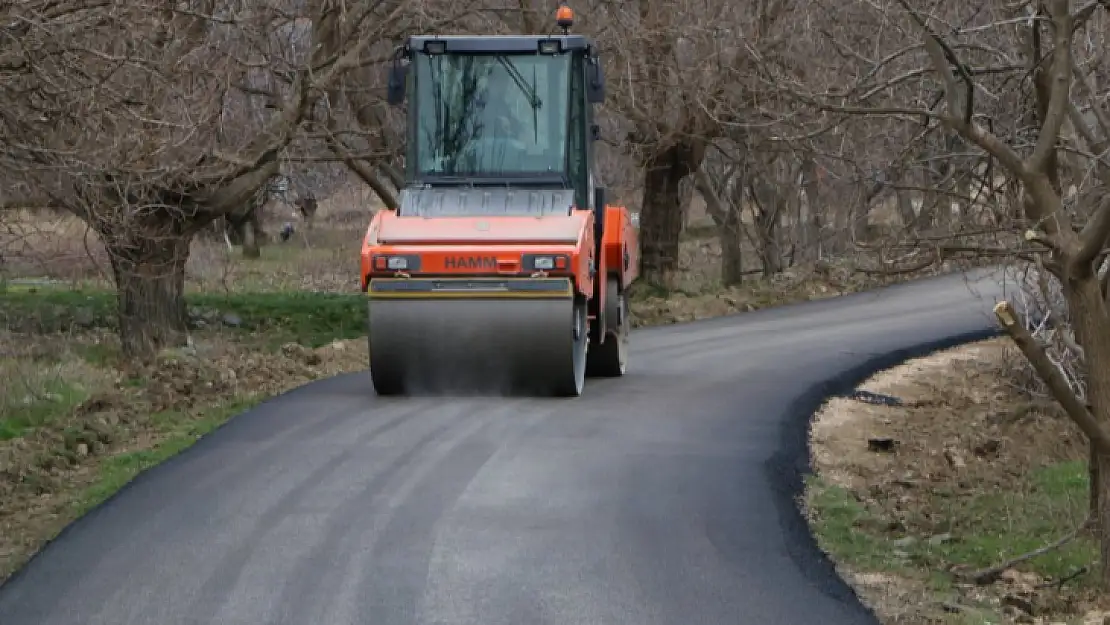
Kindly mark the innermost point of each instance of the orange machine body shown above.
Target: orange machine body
(502, 246)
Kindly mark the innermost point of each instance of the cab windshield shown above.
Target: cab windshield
(494, 116)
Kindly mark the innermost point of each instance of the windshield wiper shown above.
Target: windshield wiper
(514, 73)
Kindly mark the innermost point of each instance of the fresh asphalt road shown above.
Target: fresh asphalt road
(663, 498)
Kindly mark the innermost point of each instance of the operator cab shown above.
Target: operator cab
(501, 113)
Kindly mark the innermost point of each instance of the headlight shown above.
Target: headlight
(545, 262)
(407, 262)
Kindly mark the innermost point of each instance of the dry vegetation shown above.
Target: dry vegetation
(922, 504)
(773, 151)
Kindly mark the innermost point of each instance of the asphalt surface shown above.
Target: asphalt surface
(663, 498)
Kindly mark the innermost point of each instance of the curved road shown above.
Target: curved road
(663, 498)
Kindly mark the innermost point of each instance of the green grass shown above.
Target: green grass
(978, 531)
(840, 527)
(21, 413)
(39, 393)
(312, 319)
(270, 319)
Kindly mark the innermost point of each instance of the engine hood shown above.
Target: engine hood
(482, 216)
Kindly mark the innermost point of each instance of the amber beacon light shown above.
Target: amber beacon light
(564, 17)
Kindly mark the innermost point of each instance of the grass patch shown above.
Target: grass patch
(312, 319)
(978, 531)
(41, 389)
(839, 526)
(35, 407)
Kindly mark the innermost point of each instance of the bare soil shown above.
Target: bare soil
(966, 473)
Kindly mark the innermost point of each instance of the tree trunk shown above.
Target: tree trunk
(811, 226)
(686, 200)
(770, 243)
(731, 234)
(1095, 484)
(661, 216)
(251, 248)
(1102, 521)
(842, 214)
(727, 219)
(769, 205)
(150, 290)
(731, 229)
(905, 209)
(234, 230)
(860, 226)
(1088, 310)
(247, 230)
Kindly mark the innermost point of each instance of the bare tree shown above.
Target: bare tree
(119, 113)
(358, 125)
(954, 71)
(678, 78)
(721, 182)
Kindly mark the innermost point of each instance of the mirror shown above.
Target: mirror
(595, 82)
(398, 74)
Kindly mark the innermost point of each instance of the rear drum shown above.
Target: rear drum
(610, 359)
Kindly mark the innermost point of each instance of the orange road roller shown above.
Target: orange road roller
(503, 271)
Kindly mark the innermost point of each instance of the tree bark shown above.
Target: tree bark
(810, 222)
(251, 248)
(730, 227)
(661, 215)
(150, 290)
(731, 234)
(1102, 521)
(1094, 484)
(770, 243)
(247, 230)
(1088, 310)
(905, 210)
(685, 201)
(770, 204)
(859, 216)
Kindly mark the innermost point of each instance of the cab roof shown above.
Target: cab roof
(496, 43)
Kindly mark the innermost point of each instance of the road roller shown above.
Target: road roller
(503, 270)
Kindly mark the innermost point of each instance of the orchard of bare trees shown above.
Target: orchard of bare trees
(1002, 108)
(897, 135)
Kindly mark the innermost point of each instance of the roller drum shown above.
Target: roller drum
(437, 343)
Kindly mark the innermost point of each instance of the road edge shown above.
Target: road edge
(145, 475)
(793, 463)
